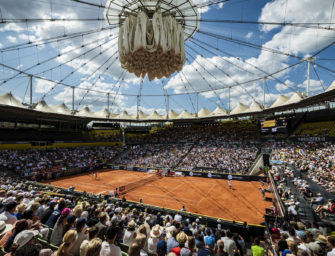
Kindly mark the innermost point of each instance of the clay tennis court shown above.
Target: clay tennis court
(211, 197)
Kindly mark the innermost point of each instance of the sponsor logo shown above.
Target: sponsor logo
(209, 175)
(190, 173)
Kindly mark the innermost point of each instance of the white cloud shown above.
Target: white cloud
(249, 35)
(11, 39)
(282, 87)
(42, 86)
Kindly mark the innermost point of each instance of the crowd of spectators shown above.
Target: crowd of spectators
(155, 155)
(223, 148)
(32, 162)
(316, 159)
(34, 217)
(296, 235)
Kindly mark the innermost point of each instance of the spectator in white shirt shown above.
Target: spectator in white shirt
(331, 244)
(108, 247)
(7, 216)
(129, 234)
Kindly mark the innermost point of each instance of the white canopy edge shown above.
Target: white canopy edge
(42, 106)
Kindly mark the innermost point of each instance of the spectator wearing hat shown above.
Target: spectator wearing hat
(9, 237)
(108, 248)
(322, 241)
(68, 241)
(129, 234)
(4, 228)
(155, 237)
(8, 215)
(182, 239)
(20, 210)
(57, 233)
(101, 225)
(331, 245)
(81, 236)
(92, 233)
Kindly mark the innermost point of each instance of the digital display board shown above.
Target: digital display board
(274, 126)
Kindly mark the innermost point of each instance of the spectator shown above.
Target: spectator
(141, 241)
(108, 248)
(220, 249)
(68, 241)
(94, 247)
(8, 215)
(129, 234)
(92, 233)
(81, 236)
(331, 244)
(155, 237)
(229, 243)
(256, 249)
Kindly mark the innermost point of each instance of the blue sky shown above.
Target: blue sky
(205, 70)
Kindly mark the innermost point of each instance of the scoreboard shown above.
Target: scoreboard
(274, 126)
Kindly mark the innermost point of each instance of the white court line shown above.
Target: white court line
(102, 192)
(160, 197)
(204, 196)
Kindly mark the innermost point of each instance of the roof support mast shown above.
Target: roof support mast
(308, 74)
(167, 106)
(108, 104)
(72, 100)
(197, 104)
(31, 91)
(264, 86)
(229, 99)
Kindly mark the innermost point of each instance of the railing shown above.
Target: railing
(251, 169)
(277, 199)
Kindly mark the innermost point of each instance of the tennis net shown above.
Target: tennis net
(136, 184)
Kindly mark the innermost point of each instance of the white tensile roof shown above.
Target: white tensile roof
(10, 100)
(124, 115)
(331, 87)
(219, 112)
(185, 115)
(86, 112)
(254, 107)
(62, 109)
(142, 115)
(282, 99)
(173, 114)
(155, 116)
(43, 107)
(240, 108)
(102, 113)
(204, 112)
(296, 97)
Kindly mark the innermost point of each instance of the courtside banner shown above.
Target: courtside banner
(197, 173)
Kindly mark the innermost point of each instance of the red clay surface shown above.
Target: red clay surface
(211, 197)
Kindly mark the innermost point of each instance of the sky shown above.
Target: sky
(220, 55)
